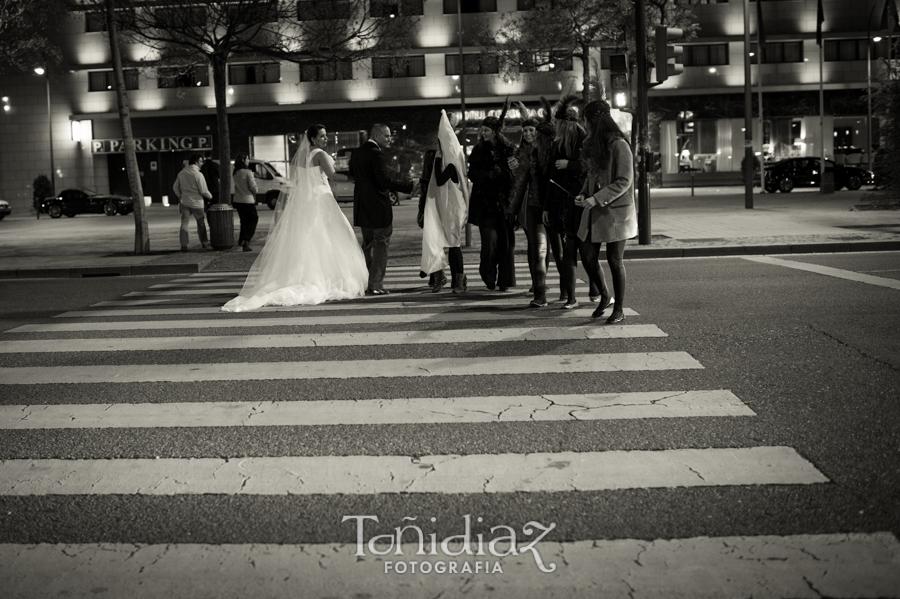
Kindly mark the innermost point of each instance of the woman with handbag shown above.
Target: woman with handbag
(608, 200)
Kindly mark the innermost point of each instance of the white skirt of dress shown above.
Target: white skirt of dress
(311, 256)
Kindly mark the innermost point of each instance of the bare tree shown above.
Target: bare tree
(27, 30)
(204, 32)
(141, 228)
(556, 31)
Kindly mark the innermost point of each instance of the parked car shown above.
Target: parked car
(76, 201)
(343, 191)
(787, 174)
(4, 208)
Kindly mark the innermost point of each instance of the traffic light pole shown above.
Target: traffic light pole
(643, 184)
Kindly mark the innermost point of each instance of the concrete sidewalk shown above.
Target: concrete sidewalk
(712, 222)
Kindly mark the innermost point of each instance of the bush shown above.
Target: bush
(42, 188)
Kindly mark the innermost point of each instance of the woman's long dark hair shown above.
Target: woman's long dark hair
(543, 144)
(568, 133)
(241, 160)
(602, 130)
(312, 132)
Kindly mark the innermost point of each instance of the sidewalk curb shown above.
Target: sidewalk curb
(632, 253)
(76, 272)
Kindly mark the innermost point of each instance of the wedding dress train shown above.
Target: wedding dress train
(312, 254)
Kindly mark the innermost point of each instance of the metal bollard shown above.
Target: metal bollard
(221, 226)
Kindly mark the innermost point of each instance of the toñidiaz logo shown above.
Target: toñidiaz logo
(461, 551)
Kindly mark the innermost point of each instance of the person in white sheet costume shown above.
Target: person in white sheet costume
(311, 254)
(446, 209)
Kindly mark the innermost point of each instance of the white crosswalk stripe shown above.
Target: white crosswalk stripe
(426, 367)
(511, 408)
(583, 312)
(335, 339)
(468, 301)
(696, 568)
(702, 566)
(365, 475)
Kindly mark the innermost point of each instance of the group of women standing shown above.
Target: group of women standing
(570, 185)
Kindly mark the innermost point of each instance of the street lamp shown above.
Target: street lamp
(42, 72)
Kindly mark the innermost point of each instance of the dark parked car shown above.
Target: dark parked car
(75, 201)
(4, 208)
(787, 174)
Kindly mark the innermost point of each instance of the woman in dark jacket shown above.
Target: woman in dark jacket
(528, 195)
(491, 182)
(561, 215)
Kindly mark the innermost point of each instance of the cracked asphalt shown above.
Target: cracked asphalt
(816, 358)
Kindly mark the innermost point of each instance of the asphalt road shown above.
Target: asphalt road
(815, 356)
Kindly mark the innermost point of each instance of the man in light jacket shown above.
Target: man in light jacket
(190, 188)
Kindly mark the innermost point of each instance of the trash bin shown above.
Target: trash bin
(221, 226)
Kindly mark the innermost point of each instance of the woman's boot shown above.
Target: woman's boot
(459, 282)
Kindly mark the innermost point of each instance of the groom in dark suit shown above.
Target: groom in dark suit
(372, 210)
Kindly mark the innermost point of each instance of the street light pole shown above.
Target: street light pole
(462, 74)
(645, 236)
(748, 114)
(46, 75)
(869, 84)
(462, 98)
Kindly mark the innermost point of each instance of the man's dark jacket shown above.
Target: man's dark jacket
(210, 172)
(372, 180)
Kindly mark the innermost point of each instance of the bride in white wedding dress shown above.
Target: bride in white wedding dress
(312, 254)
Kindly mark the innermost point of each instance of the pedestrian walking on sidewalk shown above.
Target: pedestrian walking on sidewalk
(190, 189)
(244, 201)
(608, 200)
(210, 172)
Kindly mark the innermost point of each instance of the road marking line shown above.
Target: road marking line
(397, 287)
(824, 565)
(449, 302)
(348, 369)
(828, 271)
(389, 278)
(331, 339)
(242, 321)
(365, 475)
(460, 410)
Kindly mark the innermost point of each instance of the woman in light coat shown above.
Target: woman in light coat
(608, 198)
(245, 191)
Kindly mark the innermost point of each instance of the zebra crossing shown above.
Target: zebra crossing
(119, 349)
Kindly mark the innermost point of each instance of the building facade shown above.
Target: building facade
(698, 117)
(270, 104)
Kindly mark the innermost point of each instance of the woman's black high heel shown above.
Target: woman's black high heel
(603, 306)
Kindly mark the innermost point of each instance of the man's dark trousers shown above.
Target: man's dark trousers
(375, 248)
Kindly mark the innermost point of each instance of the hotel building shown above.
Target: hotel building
(270, 103)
